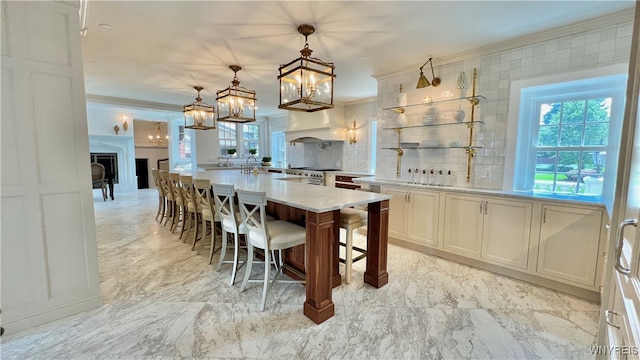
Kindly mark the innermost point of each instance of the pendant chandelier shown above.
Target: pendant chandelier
(198, 115)
(158, 140)
(306, 83)
(235, 103)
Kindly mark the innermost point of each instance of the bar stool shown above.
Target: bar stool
(168, 192)
(350, 220)
(205, 205)
(161, 196)
(178, 201)
(189, 212)
(270, 236)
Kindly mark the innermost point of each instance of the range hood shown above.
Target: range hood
(320, 126)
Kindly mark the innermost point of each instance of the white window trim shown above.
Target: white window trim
(519, 96)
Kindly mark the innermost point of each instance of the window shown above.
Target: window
(279, 148)
(251, 138)
(227, 135)
(241, 137)
(571, 145)
(565, 133)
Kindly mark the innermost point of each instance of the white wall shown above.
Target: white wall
(588, 45)
(49, 255)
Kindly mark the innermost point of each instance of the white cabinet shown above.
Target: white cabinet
(506, 232)
(463, 217)
(413, 215)
(569, 243)
(493, 229)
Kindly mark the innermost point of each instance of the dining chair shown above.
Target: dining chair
(277, 235)
(202, 191)
(161, 196)
(350, 220)
(97, 178)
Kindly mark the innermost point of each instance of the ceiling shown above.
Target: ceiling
(157, 51)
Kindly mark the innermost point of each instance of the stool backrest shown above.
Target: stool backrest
(97, 172)
(202, 191)
(186, 189)
(174, 183)
(254, 217)
(166, 186)
(223, 195)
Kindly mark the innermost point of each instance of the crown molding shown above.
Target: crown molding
(622, 16)
(131, 103)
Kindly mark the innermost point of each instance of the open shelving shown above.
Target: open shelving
(470, 148)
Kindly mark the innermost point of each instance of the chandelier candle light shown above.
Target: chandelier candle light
(158, 140)
(199, 115)
(306, 83)
(235, 103)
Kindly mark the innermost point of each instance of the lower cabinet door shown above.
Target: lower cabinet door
(397, 212)
(506, 232)
(463, 217)
(422, 217)
(569, 241)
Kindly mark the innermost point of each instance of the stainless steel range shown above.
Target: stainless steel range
(312, 176)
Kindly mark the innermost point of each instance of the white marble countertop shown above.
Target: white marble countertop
(307, 197)
(575, 199)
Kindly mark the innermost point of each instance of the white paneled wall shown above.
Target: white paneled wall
(357, 157)
(597, 46)
(48, 241)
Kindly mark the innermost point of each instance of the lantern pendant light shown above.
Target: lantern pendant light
(235, 103)
(306, 83)
(199, 115)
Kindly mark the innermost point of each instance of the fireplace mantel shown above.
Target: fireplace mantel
(123, 146)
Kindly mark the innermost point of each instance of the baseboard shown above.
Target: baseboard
(60, 312)
(551, 284)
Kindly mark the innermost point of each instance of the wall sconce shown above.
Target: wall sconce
(125, 124)
(422, 81)
(352, 134)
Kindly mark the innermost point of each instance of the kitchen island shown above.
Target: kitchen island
(317, 208)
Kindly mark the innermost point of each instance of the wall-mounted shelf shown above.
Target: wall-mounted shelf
(468, 123)
(432, 147)
(472, 99)
(470, 149)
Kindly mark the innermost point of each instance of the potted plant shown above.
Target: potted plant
(253, 151)
(231, 151)
(266, 161)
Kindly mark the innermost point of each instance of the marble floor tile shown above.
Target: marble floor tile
(164, 301)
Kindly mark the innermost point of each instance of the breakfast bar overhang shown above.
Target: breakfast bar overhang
(318, 209)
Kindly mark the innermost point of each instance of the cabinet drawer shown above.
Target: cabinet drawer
(347, 186)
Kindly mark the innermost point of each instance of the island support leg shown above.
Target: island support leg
(377, 241)
(319, 266)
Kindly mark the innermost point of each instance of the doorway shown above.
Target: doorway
(142, 173)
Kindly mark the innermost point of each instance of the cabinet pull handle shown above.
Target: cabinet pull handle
(544, 216)
(406, 195)
(486, 205)
(620, 243)
(608, 320)
(409, 196)
(481, 205)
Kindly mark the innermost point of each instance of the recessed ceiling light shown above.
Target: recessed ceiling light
(106, 26)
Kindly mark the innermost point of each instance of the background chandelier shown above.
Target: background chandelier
(306, 83)
(158, 140)
(199, 115)
(422, 81)
(235, 103)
